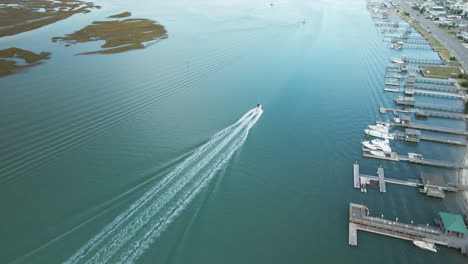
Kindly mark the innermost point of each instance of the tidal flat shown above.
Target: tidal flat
(17, 16)
(119, 35)
(9, 57)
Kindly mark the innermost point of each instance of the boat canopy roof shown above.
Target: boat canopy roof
(453, 222)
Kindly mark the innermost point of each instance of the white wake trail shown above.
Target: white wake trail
(127, 232)
(129, 222)
(140, 246)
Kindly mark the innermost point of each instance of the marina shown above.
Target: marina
(445, 98)
(406, 123)
(412, 135)
(440, 94)
(423, 113)
(430, 184)
(444, 235)
(410, 101)
(412, 158)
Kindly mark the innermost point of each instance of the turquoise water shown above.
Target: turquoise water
(85, 137)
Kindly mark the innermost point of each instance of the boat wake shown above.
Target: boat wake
(127, 237)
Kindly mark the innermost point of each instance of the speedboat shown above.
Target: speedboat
(379, 127)
(399, 61)
(425, 245)
(378, 134)
(258, 107)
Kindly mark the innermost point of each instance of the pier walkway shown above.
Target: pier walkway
(412, 158)
(426, 113)
(432, 185)
(441, 94)
(440, 129)
(359, 219)
(409, 101)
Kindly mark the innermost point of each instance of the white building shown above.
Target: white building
(463, 33)
(460, 5)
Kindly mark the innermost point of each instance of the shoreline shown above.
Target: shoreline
(444, 54)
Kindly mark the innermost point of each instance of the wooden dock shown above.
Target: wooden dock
(412, 158)
(392, 83)
(405, 37)
(412, 46)
(384, 110)
(409, 101)
(439, 129)
(449, 81)
(441, 94)
(404, 136)
(424, 61)
(392, 90)
(431, 184)
(425, 113)
(359, 219)
(438, 87)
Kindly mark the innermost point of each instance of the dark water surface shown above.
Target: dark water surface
(83, 138)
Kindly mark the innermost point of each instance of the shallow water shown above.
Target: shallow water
(84, 137)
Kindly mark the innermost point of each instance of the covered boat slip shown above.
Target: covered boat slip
(430, 184)
(359, 219)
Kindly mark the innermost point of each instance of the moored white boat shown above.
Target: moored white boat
(378, 153)
(399, 61)
(378, 134)
(425, 245)
(380, 128)
(371, 146)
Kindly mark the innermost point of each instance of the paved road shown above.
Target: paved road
(449, 41)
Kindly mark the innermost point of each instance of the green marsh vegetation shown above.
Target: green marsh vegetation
(119, 35)
(8, 57)
(18, 16)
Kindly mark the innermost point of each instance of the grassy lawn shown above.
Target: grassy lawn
(439, 72)
(444, 53)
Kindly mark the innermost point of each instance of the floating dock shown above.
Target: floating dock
(440, 94)
(405, 37)
(412, 158)
(409, 101)
(429, 184)
(359, 219)
(392, 83)
(423, 61)
(439, 129)
(412, 135)
(393, 90)
(426, 113)
(396, 76)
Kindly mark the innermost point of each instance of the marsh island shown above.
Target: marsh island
(119, 35)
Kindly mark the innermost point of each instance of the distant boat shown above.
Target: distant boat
(395, 46)
(378, 134)
(399, 61)
(425, 245)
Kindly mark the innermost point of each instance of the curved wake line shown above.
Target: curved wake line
(137, 227)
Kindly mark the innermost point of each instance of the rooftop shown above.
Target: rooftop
(453, 222)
